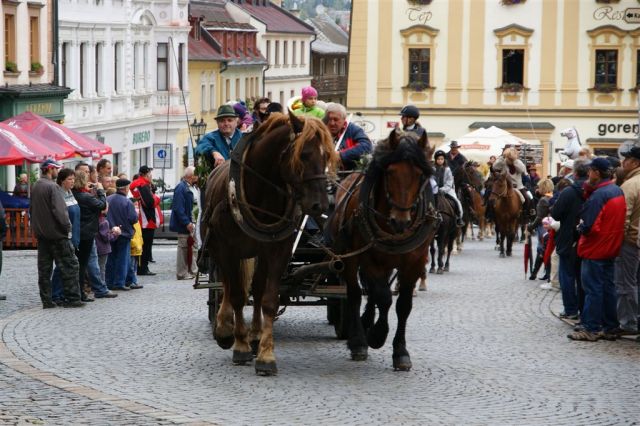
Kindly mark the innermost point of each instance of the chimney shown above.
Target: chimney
(274, 2)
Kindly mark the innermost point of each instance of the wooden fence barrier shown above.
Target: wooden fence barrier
(19, 235)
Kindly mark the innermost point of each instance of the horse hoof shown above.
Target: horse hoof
(446, 269)
(432, 270)
(359, 354)
(241, 358)
(439, 271)
(266, 368)
(423, 287)
(502, 255)
(377, 336)
(225, 342)
(508, 254)
(402, 363)
(255, 346)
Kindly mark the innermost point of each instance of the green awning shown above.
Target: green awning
(46, 100)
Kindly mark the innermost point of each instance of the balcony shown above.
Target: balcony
(330, 85)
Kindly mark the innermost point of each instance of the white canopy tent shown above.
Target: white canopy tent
(482, 143)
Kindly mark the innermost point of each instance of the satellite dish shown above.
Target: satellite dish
(626, 147)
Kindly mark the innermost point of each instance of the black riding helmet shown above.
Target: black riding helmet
(410, 111)
(439, 153)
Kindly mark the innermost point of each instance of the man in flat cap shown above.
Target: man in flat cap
(216, 146)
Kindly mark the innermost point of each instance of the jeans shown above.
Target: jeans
(118, 263)
(627, 277)
(566, 274)
(63, 254)
(96, 280)
(132, 278)
(600, 295)
(102, 264)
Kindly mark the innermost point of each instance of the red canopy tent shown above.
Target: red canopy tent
(17, 146)
(59, 135)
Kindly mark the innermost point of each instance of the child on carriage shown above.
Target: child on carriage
(307, 106)
(444, 179)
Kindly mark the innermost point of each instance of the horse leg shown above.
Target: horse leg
(404, 304)
(423, 281)
(449, 248)
(380, 293)
(241, 349)
(502, 237)
(257, 289)
(223, 331)
(432, 250)
(356, 343)
(481, 227)
(277, 262)
(441, 244)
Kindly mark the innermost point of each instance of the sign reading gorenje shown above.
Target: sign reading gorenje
(632, 15)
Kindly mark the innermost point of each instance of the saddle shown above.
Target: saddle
(445, 204)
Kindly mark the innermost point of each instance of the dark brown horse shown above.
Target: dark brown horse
(445, 235)
(385, 222)
(253, 205)
(507, 208)
(467, 177)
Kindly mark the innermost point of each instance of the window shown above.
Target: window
(302, 57)
(203, 98)
(335, 66)
(322, 65)
(63, 64)
(135, 66)
(285, 45)
(180, 64)
(343, 66)
(138, 158)
(98, 71)
(212, 98)
(282, 97)
(277, 53)
(606, 67)
(34, 38)
(9, 39)
(237, 89)
(247, 88)
(163, 66)
(117, 66)
(293, 53)
(270, 95)
(257, 86)
(83, 48)
(268, 51)
(227, 90)
(116, 163)
(292, 94)
(419, 66)
(513, 66)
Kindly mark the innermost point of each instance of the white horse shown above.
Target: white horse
(573, 146)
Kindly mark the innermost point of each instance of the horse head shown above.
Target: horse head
(471, 175)
(401, 162)
(305, 161)
(500, 186)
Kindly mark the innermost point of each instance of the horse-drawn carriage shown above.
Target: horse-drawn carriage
(383, 221)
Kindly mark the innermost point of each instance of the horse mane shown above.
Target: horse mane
(406, 150)
(312, 127)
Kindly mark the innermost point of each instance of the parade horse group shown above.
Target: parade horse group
(254, 204)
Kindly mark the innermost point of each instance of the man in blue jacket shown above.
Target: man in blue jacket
(182, 222)
(121, 213)
(216, 146)
(352, 142)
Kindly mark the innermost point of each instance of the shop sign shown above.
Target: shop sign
(162, 156)
(141, 137)
(628, 129)
(40, 108)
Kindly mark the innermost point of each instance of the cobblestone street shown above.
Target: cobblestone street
(485, 346)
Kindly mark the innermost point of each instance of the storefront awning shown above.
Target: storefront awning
(513, 125)
(42, 99)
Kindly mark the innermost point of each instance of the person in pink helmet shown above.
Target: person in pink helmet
(309, 104)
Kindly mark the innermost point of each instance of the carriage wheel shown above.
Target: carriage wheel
(341, 324)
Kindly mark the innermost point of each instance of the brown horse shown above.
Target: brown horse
(385, 221)
(253, 205)
(507, 208)
(467, 177)
(477, 209)
(445, 236)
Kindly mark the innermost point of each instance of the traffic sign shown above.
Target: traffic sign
(632, 15)
(162, 158)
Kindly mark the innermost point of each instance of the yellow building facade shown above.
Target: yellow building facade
(531, 67)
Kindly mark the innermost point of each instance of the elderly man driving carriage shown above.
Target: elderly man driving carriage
(351, 141)
(216, 146)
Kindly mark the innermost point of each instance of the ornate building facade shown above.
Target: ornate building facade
(531, 67)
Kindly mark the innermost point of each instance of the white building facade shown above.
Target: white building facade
(127, 63)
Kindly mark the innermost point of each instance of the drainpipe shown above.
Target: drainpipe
(54, 40)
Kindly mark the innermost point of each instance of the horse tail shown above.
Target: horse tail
(247, 268)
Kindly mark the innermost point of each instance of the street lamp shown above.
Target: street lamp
(198, 129)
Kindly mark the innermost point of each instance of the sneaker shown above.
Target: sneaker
(546, 286)
(135, 286)
(569, 317)
(149, 273)
(74, 304)
(108, 295)
(186, 277)
(87, 298)
(119, 289)
(586, 336)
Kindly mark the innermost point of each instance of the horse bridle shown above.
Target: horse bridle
(412, 207)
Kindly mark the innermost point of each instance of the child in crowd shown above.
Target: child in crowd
(309, 105)
(106, 234)
(136, 252)
(543, 240)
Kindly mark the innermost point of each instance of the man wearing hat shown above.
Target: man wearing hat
(51, 226)
(142, 191)
(627, 266)
(454, 159)
(409, 117)
(216, 146)
(122, 214)
(601, 232)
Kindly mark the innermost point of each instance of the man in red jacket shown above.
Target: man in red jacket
(601, 231)
(149, 221)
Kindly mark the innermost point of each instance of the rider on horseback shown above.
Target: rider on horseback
(444, 179)
(515, 169)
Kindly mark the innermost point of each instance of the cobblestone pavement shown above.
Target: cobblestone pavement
(485, 347)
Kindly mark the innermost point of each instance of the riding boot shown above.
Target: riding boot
(536, 267)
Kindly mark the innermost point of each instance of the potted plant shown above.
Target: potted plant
(37, 67)
(418, 86)
(512, 87)
(10, 66)
(605, 87)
